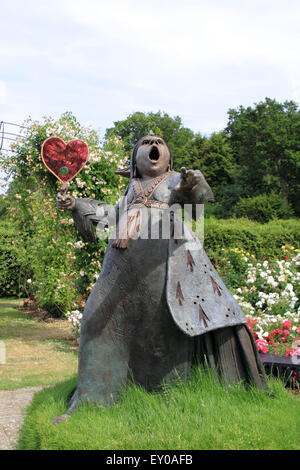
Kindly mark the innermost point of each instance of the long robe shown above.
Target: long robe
(140, 323)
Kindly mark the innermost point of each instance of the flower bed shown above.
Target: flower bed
(268, 291)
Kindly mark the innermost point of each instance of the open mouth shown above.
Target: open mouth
(154, 154)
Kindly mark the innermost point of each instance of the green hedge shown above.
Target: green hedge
(9, 265)
(263, 208)
(259, 239)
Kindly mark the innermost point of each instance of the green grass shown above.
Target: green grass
(37, 353)
(198, 414)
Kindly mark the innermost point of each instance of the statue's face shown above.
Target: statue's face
(153, 156)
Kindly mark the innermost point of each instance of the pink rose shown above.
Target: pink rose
(286, 324)
(262, 345)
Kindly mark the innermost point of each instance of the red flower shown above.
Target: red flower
(286, 332)
(286, 324)
(216, 261)
(286, 257)
(31, 298)
(277, 331)
(224, 266)
(223, 273)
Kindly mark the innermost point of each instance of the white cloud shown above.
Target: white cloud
(192, 33)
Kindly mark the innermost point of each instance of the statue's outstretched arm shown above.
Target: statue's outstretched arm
(87, 213)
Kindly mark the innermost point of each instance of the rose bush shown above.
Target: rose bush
(45, 240)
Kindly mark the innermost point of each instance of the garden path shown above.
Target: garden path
(13, 404)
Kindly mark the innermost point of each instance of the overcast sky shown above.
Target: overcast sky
(105, 59)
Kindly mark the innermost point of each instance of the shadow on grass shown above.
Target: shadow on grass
(14, 324)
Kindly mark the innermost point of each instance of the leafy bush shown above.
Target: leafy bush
(11, 272)
(263, 208)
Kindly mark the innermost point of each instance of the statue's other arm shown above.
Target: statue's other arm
(190, 187)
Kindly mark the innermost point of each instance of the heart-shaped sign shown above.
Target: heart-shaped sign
(64, 161)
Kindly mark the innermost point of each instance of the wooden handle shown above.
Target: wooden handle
(64, 188)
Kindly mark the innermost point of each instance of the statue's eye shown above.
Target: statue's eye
(145, 142)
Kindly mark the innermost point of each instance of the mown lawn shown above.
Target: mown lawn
(199, 414)
(37, 353)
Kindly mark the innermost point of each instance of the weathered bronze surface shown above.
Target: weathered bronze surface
(158, 306)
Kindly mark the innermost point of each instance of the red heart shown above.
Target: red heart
(64, 161)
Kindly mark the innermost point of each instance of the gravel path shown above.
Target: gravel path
(12, 409)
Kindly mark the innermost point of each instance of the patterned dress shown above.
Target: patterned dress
(157, 307)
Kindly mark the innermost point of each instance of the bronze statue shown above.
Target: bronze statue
(158, 306)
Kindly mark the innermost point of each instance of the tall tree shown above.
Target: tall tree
(213, 155)
(138, 124)
(266, 141)
(214, 158)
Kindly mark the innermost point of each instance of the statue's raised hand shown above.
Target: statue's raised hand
(65, 201)
(189, 178)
